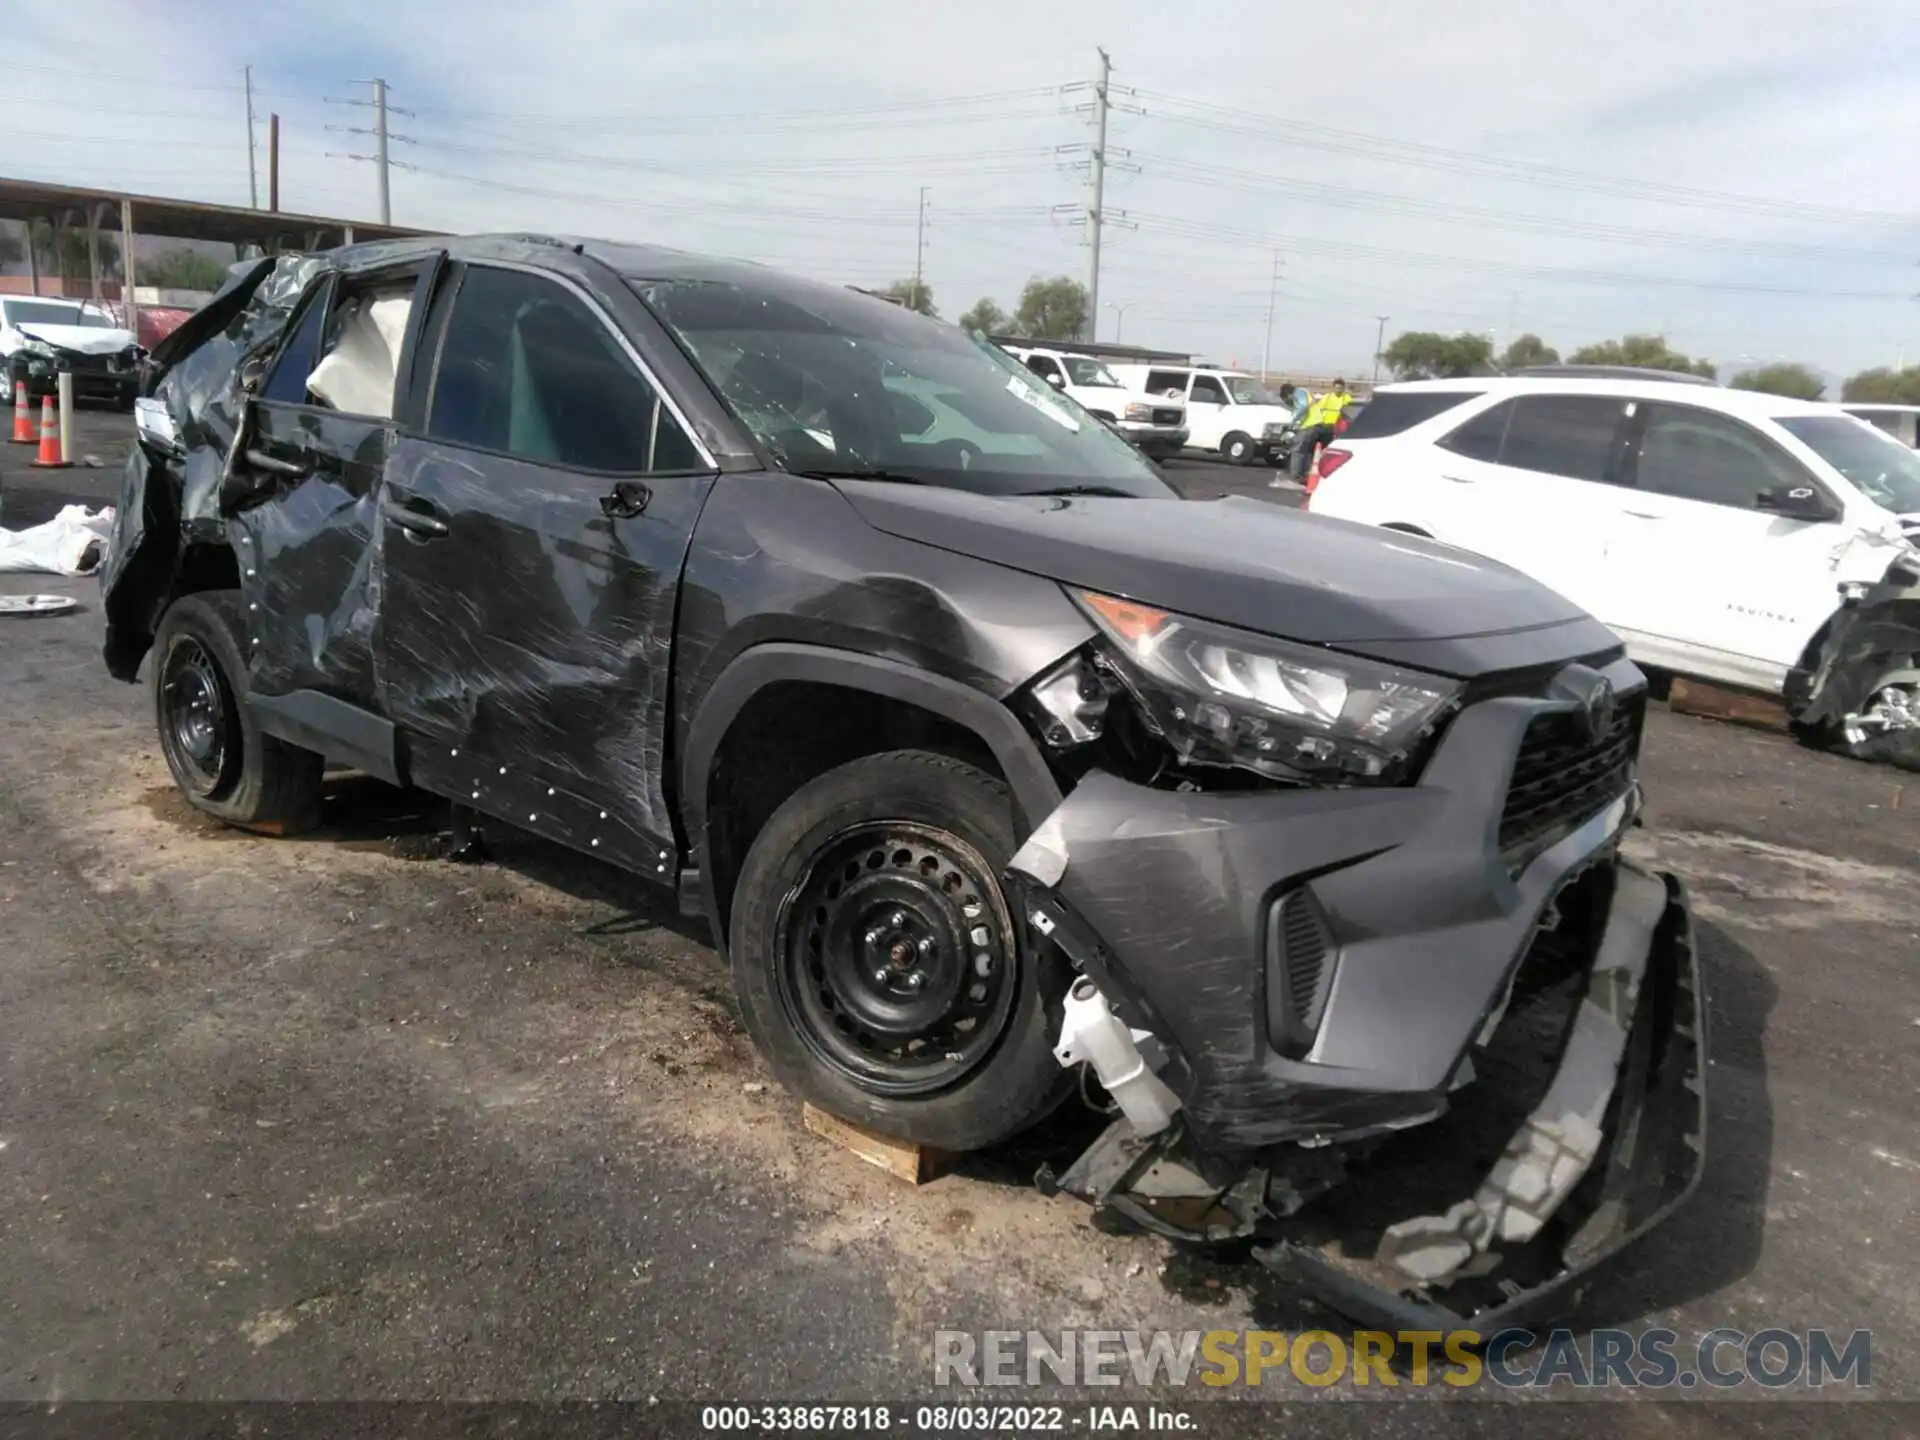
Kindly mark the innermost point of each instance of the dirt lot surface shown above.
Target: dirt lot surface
(337, 1118)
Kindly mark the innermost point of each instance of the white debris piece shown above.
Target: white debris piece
(69, 544)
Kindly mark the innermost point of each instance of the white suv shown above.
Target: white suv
(1720, 532)
(1157, 426)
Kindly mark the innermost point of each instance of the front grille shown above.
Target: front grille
(1301, 950)
(1561, 777)
(83, 364)
(1166, 417)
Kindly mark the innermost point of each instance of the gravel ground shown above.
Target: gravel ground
(333, 1118)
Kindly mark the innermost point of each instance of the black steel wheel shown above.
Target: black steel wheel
(879, 967)
(199, 724)
(221, 763)
(897, 963)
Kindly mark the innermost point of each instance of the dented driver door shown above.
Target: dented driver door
(535, 523)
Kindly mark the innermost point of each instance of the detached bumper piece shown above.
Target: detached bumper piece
(1439, 1227)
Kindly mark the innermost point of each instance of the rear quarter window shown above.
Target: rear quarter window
(1388, 413)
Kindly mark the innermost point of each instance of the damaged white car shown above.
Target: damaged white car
(1746, 539)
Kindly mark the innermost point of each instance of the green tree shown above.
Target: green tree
(914, 294)
(1646, 352)
(1054, 309)
(1424, 355)
(64, 253)
(13, 250)
(1884, 385)
(986, 317)
(1527, 351)
(1797, 382)
(182, 270)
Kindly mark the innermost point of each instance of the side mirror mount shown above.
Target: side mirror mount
(252, 371)
(1797, 502)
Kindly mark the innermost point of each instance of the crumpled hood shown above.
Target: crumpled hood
(85, 339)
(1247, 563)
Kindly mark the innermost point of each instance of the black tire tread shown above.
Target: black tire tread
(278, 789)
(1020, 1085)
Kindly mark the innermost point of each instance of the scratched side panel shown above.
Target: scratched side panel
(308, 566)
(537, 632)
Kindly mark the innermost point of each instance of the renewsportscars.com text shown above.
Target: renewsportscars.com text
(1654, 1358)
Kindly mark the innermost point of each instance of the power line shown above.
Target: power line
(1425, 156)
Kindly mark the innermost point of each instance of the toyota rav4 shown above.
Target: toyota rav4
(992, 764)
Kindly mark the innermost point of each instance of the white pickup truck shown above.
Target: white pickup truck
(1156, 425)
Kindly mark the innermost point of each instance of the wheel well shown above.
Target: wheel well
(792, 731)
(206, 566)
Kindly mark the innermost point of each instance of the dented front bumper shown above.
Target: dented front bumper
(1320, 972)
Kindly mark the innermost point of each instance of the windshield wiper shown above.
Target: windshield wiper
(1111, 491)
(856, 472)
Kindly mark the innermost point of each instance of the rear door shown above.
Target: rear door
(1529, 482)
(303, 485)
(537, 520)
(1703, 579)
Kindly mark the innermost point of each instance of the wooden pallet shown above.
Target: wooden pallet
(1696, 697)
(916, 1164)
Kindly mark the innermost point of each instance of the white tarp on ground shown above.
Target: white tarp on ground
(69, 544)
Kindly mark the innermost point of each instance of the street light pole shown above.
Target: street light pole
(1273, 294)
(1379, 342)
(1120, 317)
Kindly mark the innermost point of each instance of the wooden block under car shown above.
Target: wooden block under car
(916, 1164)
(1696, 697)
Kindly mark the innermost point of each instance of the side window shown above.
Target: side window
(1042, 366)
(1208, 390)
(1571, 435)
(1170, 383)
(527, 369)
(1482, 436)
(1699, 455)
(288, 382)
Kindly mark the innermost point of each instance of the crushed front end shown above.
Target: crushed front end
(1446, 1000)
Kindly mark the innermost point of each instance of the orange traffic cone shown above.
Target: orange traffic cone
(23, 431)
(50, 457)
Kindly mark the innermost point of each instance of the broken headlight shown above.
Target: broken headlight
(1221, 696)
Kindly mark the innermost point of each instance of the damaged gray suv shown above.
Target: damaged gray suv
(994, 766)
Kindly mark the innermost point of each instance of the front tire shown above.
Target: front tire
(1883, 730)
(878, 964)
(1238, 448)
(222, 764)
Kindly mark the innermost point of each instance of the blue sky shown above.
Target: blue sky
(1736, 173)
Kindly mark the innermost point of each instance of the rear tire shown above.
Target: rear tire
(1238, 448)
(222, 764)
(879, 967)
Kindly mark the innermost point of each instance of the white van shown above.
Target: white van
(1229, 412)
(1158, 427)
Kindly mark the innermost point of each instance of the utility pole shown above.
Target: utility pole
(1379, 343)
(919, 247)
(380, 147)
(253, 176)
(1096, 212)
(273, 161)
(381, 138)
(1273, 295)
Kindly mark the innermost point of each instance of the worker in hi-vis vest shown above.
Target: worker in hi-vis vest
(1317, 427)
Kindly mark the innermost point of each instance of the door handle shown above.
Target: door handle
(1457, 479)
(274, 465)
(1644, 514)
(414, 517)
(627, 499)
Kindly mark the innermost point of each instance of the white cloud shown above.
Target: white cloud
(813, 127)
